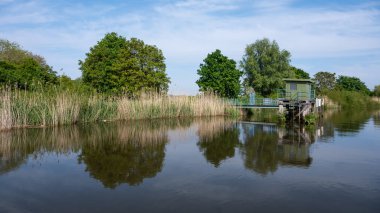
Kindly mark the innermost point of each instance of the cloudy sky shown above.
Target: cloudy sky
(341, 36)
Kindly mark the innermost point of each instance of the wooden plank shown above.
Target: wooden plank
(257, 106)
(258, 123)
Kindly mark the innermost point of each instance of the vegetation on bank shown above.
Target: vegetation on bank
(344, 91)
(117, 73)
(20, 108)
(219, 74)
(117, 66)
(23, 69)
(350, 99)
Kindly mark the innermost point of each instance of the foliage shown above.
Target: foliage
(22, 68)
(56, 106)
(281, 118)
(310, 119)
(352, 84)
(265, 66)
(219, 74)
(116, 65)
(299, 73)
(65, 83)
(324, 81)
(351, 99)
(376, 91)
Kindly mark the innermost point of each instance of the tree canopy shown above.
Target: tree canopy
(299, 73)
(352, 84)
(324, 81)
(116, 65)
(22, 68)
(219, 74)
(265, 66)
(376, 91)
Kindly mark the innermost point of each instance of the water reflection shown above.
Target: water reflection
(217, 140)
(376, 118)
(342, 123)
(263, 147)
(129, 152)
(17, 145)
(266, 147)
(190, 165)
(113, 153)
(116, 154)
(349, 121)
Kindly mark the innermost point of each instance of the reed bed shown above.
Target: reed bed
(158, 106)
(20, 108)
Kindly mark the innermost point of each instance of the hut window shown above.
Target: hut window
(293, 86)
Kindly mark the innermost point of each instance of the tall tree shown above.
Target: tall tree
(219, 74)
(116, 65)
(324, 81)
(299, 73)
(352, 84)
(376, 91)
(265, 66)
(23, 68)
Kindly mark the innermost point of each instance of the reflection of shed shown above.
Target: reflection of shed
(295, 155)
(298, 89)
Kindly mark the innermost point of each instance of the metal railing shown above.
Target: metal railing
(296, 96)
(254, 102)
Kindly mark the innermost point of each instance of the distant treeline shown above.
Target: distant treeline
(116, 66)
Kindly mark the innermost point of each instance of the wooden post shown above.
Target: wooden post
(281, 109)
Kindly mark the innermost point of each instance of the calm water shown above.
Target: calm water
(201, 165)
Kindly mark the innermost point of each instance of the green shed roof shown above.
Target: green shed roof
(298, 80)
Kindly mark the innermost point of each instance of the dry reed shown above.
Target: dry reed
(51, 108)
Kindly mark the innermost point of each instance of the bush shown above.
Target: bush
(351, 99)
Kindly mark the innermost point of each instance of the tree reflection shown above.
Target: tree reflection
(124, 153)
(349, 121)
(217, 140)
(113, 153)
(343, 123)
(17, 145)
(267, 147)
(376, 118)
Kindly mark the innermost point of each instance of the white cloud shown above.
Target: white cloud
(187, 30)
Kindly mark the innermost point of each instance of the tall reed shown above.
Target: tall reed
(352, 100)
(20, 108)
(158, 106)
(5, 110)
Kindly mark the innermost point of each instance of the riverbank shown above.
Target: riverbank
(51, 108)
(349, 100)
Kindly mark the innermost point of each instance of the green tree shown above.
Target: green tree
(22, 68)
(376, 91)
(116, 65)
(299, 73)
(265, 66)
(324, 81)
(219, 74)
(352, 84)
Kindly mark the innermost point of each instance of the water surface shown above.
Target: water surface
(196, 165)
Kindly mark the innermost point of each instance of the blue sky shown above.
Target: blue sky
(329, 35)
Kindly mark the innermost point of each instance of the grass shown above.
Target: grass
(19, 108)
(351, 99)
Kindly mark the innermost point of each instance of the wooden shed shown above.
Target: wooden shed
(299, 89)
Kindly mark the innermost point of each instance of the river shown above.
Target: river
(194, 165)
